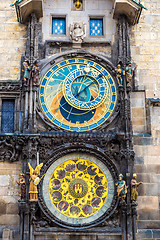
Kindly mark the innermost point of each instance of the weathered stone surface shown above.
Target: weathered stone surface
(151, 224)
(4, 181)
(7, 234)
(12, 37)
(144, 177)
(78, 237)
(156, 233)
(148, 202)
(139, 168)
(144, 234)
(2, 208)
(146, 214)
(9, 220)
(12, 208)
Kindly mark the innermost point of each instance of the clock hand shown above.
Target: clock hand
(81, 84)
(61, 106)
(100, 75)
(69, 112)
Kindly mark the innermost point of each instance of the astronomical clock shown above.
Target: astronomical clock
(73, 120)
(78, 95)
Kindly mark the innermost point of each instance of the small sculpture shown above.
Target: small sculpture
(27, 70)
(15, 3)
(78, 5)
(35, 73)
(134, 188)
(22, 183)
(77, 32)
(121, 188)
(120, 74)
(129, 73)
(34, 181)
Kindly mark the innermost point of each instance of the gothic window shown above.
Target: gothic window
(7, 118)
(96, 26)
(59, 25)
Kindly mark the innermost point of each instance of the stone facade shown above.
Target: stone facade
(145, 52)
(12, 43)
(145, 117)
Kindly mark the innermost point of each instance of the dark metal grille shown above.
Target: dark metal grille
(7, 120)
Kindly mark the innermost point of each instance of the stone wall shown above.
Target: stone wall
(145, 46)
(9, 191)
(12, 42)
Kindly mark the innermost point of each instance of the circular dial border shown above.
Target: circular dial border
(80, 114)
(65, 177)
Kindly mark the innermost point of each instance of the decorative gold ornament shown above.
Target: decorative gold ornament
(78, 5)
(87, 68)
(78, 188)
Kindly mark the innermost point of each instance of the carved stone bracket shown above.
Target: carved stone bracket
(10, 148)
(24, 9)
(129, 8)
(10, 87)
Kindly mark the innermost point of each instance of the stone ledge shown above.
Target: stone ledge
(26, 7)
(129, 8)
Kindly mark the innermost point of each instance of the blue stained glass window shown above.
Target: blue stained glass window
(59, 26)
(7, 120)
(96, 27)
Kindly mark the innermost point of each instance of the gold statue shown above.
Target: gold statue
(78, 5)
(34, 181)
(120, 74)
(134, 188)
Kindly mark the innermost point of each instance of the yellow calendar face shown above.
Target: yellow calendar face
(77, 94)
(78, 189)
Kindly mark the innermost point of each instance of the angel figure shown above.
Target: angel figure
(77, 32)
(34, 181)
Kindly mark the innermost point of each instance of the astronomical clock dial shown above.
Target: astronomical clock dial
(78, 189)
(77, 94)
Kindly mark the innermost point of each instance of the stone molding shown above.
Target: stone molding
(129, 8)
(26, 7)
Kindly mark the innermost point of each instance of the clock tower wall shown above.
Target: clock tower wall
(120, 129)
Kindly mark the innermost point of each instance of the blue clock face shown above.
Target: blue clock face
(77, 94)
(85, 91)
